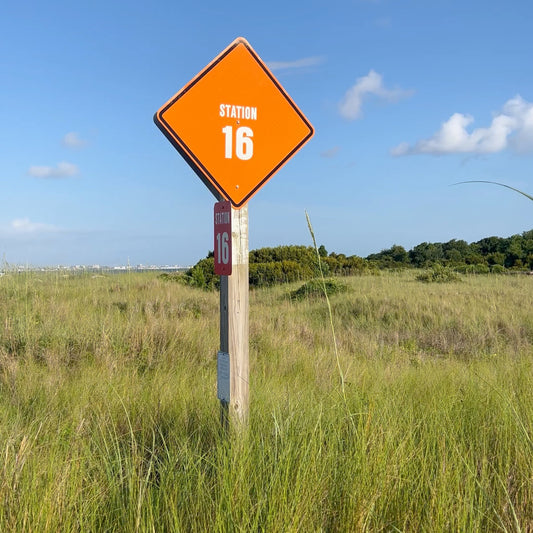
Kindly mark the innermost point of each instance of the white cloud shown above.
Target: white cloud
(297, 64)
(73, 140)
(522, 111)
(369, 85)
(25, 226)
(62, 170)
(512, 127)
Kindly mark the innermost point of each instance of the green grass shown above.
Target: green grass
(109, 419)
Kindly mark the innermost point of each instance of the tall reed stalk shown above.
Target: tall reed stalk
(330, 312)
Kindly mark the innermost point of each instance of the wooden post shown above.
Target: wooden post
(234, 312)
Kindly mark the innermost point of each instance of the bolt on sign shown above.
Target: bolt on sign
(234, 124)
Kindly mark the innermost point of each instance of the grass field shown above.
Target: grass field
(109, 419)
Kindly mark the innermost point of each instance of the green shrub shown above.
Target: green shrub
(497, 269)
(478, 268)
(274, 272)
(315, 288)
(178, 277)
(202, 275)
(438, 274)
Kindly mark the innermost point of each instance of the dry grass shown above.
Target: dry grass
(109, 419)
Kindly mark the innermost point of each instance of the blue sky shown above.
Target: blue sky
(407, 97)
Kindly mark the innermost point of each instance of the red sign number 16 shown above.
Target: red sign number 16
(222, 248)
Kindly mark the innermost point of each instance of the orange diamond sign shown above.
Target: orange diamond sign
(234, 124)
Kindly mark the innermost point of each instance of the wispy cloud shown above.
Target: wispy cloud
(26, 226)
(383, 22)
(73, 140)
(61, 170)
(332, 152)
(511, 128)
(296, 64)
(369, 85)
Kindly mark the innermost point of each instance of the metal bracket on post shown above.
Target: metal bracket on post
(223, 386)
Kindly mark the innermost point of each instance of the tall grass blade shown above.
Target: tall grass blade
(496, 183)
(330, 313)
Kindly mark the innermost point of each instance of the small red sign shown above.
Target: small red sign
(223, 238)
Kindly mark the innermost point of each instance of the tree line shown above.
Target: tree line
(284, 264)
(488, 254)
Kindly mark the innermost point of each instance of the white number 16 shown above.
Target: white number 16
(223, 248)
(244, 146)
